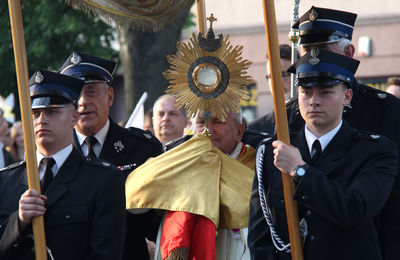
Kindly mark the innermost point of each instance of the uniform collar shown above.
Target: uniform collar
(100, 135)
(236, 152)
(324, 140)
(59, 157)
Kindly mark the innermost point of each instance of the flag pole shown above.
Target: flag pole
(201, 17)
(21, 67)
(281, 124)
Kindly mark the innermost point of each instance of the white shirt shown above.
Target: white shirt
(324, 140)
(100, 136)
(58, 157)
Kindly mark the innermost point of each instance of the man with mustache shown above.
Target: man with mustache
(343, 176)
(82, 200)
(98, 136)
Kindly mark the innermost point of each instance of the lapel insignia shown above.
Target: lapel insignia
(381, 95)
(119, 146)
(313, 15)
(375, 136)
(148, 136)
(314, 60)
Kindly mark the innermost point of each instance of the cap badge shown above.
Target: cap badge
(39, 77)
(313, 15)
(314, 59)
(119, 146)
(375, 136)
(75, 59)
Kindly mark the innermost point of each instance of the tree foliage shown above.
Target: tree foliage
(52, 31)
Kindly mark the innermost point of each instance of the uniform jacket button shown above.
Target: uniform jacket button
(308, 213)
(67, 217)
(304, 197)
(312, 237)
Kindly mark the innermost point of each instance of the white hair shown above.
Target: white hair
(342, 44)
(237, 117)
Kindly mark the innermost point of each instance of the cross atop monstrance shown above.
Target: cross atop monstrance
(211, 19)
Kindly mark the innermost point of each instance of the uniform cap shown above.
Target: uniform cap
(88, 68)
(50, 89)
(321, 25)
(320, 67)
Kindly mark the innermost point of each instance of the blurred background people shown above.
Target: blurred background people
(393, 86)
(16, 148)
(169, 122)
(148, 121)
(5, 140)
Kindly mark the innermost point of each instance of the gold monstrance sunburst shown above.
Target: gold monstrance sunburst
(208, 75)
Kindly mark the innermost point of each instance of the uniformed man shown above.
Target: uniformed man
(83, 201)
(97, 135)
(370, 109)
(343, 176)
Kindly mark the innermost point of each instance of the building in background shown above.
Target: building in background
(376, 38)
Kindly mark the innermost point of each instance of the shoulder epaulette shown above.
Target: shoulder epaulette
(367, 135)
(373, 93)
(267, 140)
(12, 166)
(172, 144)
(143, 134)
(100, 162)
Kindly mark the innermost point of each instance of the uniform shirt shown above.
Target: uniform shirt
(323, 140)
(58, 157)
(100, 136)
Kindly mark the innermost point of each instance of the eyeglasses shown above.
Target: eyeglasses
(285, 74)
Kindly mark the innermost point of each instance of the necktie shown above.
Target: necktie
(316, 151)
(91, 141)
(48, 173)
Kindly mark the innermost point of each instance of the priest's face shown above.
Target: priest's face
(225, 135)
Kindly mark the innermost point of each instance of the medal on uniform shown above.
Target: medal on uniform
(119, 146)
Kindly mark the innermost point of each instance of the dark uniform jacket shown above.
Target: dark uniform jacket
(85, 213)
(371, 110)
(128, 149)
(338, 196)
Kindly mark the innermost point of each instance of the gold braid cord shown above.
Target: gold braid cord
(181, 76)
(142, 14)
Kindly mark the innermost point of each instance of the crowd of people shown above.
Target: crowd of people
(202, 195)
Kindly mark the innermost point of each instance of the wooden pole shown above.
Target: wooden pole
(281, 124)
(21, 67)
(201, 17)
